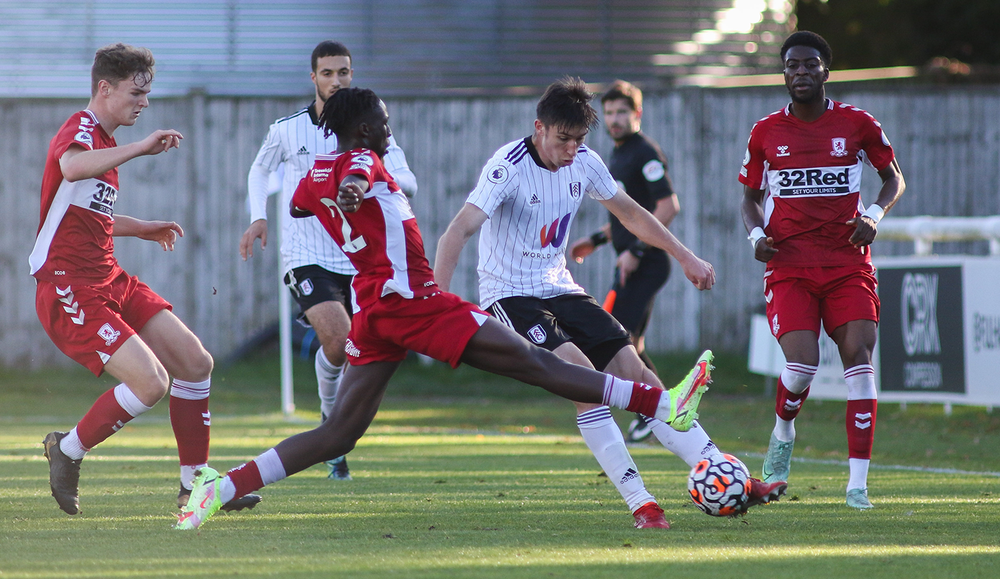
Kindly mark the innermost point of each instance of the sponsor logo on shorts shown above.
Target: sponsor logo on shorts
(351, 349)
(108, 334)
(306, 287)
(537, 334)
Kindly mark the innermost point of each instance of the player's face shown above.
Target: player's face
(805, 74)
(620, 119)
(126, 100)
(379, 132)
(558, 145)
(332, 74)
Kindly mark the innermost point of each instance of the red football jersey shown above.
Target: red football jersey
(74, 242)
(381, 239)
(811, 177)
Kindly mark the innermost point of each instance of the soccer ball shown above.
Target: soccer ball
(720, 485)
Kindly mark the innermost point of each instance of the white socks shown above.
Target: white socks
(328, 377)
(690, 446)
(604, 439)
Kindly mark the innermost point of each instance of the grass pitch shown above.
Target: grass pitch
(464, 475)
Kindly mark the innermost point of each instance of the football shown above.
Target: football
(720, 485)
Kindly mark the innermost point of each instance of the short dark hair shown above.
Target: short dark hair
(117, 62)
(566, 103)
(812, 40)
(329, 48)
(348, 108)
(626, 91)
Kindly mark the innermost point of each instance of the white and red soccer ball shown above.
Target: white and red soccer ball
(720, 485)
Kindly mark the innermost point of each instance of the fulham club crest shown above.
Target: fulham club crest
(839, 147)
(574, 190)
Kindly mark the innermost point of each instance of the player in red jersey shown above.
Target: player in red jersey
(95, 312)
(401, 308)
(802, 207)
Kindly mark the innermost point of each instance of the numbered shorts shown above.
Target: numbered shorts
(552, 322)
(798, 298)
(90, 323)
(311, 285)
(439, 325)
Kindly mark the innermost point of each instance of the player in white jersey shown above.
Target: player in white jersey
(315, 270)
(523, 205)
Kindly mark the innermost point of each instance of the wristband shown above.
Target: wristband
(874, 212)
(756, 234)
(599, 238)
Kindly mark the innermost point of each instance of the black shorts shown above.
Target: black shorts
(634, 300)
(311, 285)
(576, 318)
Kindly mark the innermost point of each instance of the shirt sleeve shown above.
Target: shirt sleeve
(752, 172)
(875, 144)
(497, 183)
(600, 184)
(395, 163)
(654, 171)
(271, 153)
(303, 197)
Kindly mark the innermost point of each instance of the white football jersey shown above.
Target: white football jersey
(295, 141)
(522, 246)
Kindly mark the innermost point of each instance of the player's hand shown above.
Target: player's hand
(865, 230)
(627, 263)
(699, 272)
(764, 250)
(163, 232)
(160, 141)
(349, 196)
(257, 230)
(581, 248)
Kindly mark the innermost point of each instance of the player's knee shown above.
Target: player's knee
(198, 364)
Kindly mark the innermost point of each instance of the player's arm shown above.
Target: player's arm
(627, 261)
(753, 219)
(257, 193)
(163, 232)
(647, 228)
(465, 224)
(395, 163)
(866, 224)
(79, 163)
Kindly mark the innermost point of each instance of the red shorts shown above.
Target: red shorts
(799, 297)
(90, 323)
(439, 326)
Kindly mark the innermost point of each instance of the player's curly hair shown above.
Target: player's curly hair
(117, 62)
(566, 103)
(346, 109)
(812, 40)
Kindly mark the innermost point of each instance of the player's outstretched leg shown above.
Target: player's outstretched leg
(778, 460)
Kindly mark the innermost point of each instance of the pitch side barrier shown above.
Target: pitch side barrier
(939, 334)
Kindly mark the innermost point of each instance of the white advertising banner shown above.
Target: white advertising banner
(939, 334)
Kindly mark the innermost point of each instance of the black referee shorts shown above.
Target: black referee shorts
(634, 300)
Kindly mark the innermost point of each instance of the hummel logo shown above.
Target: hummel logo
(783, 151)
(303, 150)
(629, 475)
(863, 420)
(534, 200)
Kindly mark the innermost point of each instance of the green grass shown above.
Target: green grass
(466, 475)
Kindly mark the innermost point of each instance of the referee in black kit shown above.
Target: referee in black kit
(640, 167)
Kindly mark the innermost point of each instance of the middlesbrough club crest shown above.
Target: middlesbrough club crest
(839, 147)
